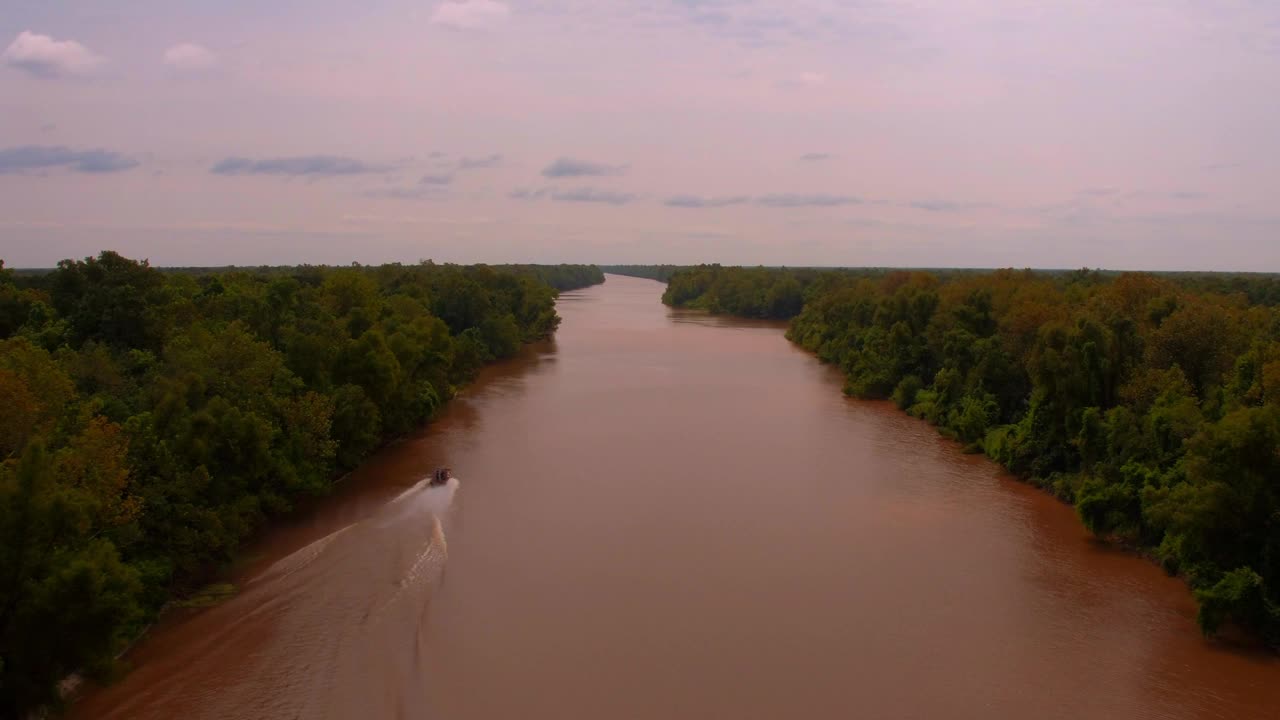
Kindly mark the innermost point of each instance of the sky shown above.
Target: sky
(1140, 134)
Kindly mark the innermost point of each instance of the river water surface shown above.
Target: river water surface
(668, 515)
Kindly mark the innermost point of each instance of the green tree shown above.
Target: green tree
(60, 578)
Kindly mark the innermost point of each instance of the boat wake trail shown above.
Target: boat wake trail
(334, 630)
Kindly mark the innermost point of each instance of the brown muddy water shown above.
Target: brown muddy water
(668, 515)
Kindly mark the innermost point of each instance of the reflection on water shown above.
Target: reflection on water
(670, 515)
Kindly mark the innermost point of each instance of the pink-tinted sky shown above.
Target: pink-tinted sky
(1044, 133)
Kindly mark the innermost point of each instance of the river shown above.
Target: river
(662, 514)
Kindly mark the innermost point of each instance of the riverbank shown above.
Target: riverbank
(161, 419)
(357, 496)
(1144, 401)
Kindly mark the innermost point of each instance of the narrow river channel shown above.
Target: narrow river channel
(666, 515)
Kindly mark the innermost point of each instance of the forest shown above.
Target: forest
(1149, 401)
(154, 420)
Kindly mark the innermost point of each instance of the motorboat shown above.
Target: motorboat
(440, 476)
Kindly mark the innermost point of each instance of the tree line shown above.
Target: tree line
(1151, 402)
(153, 420)
(650, 272)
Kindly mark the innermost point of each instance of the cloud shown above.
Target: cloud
(593, 196)
(477, 163)
(43, 57)
(816, 157)
(47, 157)
(470, 14)
(756, 25)
(715, 17)
(943, 205)
(101, 161)
(369, 219)
(580, 195)
(189, 57)
(694, 201)
(446, 171)
(303, 165)
(1121, 199)
(420, 192)
(685, 201)
(568, 167)
(791, 200)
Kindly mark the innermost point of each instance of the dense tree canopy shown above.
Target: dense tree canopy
(153, 420)
(1152, 402)
(748, 292)
(560, 277)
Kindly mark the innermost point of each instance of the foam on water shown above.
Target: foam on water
(347, 610)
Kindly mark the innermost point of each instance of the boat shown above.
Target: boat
(440, 476)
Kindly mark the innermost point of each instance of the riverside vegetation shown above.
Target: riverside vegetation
(152, 421)
(1150, 401)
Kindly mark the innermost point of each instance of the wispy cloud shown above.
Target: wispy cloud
(738, 21)
(869, 28)
(694, 201)
(477, 163)
(568, 167)
(1152, 195)
(48, 157)
(470, 14)
(778, 200)
(944, 206)
(422, 191)
(713, 17)
(792, 200)
(303, 165)
(189, 57)
(816, 157)
(580, 195)
(588, 195)
(446, 171)
(44, 57)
